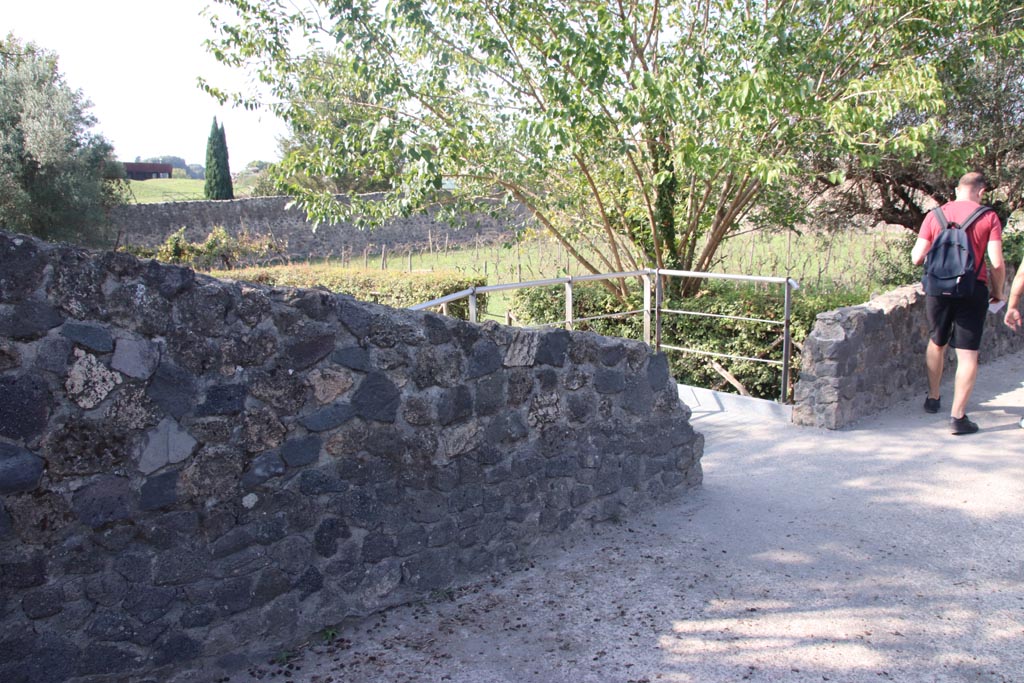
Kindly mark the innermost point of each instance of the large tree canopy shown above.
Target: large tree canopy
(57, 179)
(636, 133)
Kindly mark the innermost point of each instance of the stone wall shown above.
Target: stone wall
(148, 225)
(195, 471)
(862, 359)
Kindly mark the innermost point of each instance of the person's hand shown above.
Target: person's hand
(1012, 319)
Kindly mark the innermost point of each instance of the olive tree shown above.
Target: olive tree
(57, 179)
(636, 133)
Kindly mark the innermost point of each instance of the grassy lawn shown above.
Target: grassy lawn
(177, 190)
(166, 190)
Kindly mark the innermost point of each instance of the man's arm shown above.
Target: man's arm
(996, 270)
(1013, 317)
(920, 251)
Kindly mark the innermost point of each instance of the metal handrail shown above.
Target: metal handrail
(649, 276)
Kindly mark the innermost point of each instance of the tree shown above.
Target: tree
(635, 133)
(57, 179)
(218, 172)
(981, 128)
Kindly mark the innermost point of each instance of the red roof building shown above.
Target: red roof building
(137, 171)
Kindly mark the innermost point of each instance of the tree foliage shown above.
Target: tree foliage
(635, 133)
(981, 129)
(57, 179)
(218, 172)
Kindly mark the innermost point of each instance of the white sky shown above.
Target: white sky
(137, 62)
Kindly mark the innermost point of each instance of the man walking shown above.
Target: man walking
(959, 321)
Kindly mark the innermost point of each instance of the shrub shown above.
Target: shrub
(218, 250)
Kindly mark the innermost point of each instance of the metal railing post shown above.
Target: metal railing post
(568, 304)
(786, 344)
(659, 295)
(647, 307)
(472, 305)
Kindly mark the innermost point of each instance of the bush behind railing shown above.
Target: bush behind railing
(544, 305)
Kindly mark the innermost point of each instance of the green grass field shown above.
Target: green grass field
(178, 189)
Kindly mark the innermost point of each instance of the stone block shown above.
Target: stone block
(303, 353)
(261, 469)
(454, 405)
(172, 389)
(20, 470)
(25, 404)
(108, 499)
(43, 603)
(135, 357)
(484, 360)
(552, 348)
(301, 451)
(377, 398)
(607, 381)
(28, 320)
(223, 399)
(169, 443)
(429, 570)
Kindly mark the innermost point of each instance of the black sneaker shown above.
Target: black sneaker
(931, 405)
(962, 425)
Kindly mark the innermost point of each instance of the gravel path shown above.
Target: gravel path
(891, 550)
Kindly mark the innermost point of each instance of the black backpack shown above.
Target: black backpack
(949, 268)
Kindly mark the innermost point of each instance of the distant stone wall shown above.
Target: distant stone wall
(197, 472)
(148, 225)
(859, 360)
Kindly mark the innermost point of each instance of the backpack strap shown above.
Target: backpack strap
(940, 217)
(975, 215)
(968, 222)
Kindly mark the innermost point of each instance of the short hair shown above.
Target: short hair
(974, 179)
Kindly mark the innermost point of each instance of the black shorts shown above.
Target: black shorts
(958, 322)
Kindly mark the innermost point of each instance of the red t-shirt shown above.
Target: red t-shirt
(986, 229)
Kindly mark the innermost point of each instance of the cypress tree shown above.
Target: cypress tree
(218, 172)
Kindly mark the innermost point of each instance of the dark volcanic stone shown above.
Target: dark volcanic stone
(21, 267)
(303, 451)
(310, 582)
(20, 470)
(486, 359)
(169, 280)
(159, 491)
(177, 648)
(223, 399)
(173, 389)
(43, 603)
(352, 357)
(24, 406)
(354, 316)
(454, 405)
(609, 381)
(264, 467)
(89, 335)
(553, 348)
(376, 398)
(106, 500)
(657, 371)
(329, 417)
(23, 573)
(303, 353)
(28, 320)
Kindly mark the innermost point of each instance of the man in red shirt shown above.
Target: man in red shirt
(959, 321)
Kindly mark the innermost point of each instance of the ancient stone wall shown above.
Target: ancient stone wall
(862, 359)
(195, 471)
(148, 225)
